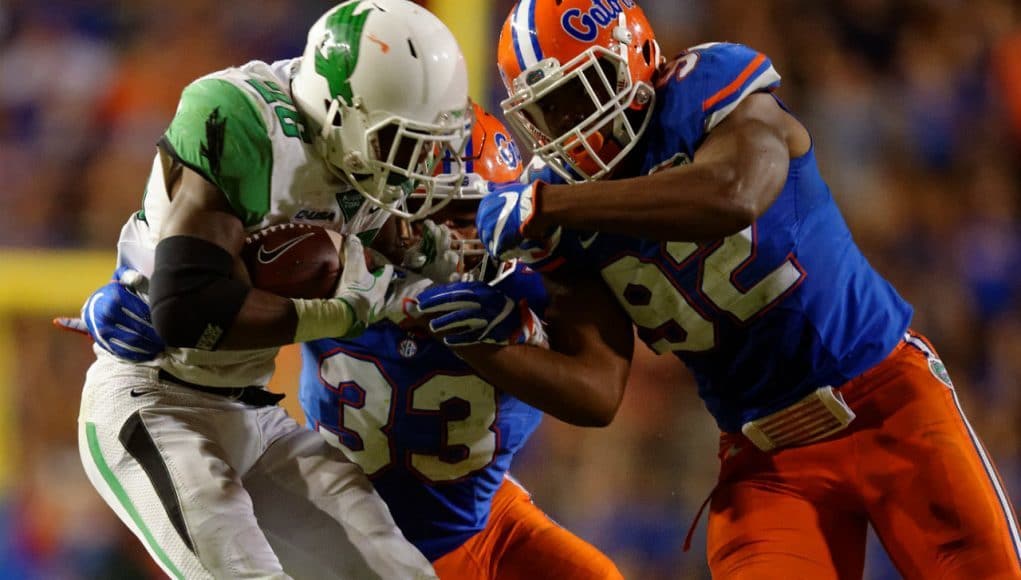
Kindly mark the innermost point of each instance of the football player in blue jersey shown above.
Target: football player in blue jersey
(435, 439)
(695, 195)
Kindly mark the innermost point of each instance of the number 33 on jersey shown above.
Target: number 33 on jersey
(434, 438)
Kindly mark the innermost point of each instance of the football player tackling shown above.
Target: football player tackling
(190, 451)
(696, 196)
(435, 439)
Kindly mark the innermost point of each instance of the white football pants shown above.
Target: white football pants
(218, 489)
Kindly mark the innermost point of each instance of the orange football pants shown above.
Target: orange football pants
(521, 542)
(909, 464)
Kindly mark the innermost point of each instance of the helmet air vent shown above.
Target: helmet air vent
(337, 119)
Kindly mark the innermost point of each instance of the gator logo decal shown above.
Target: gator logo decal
(508, 151)
(939, 370)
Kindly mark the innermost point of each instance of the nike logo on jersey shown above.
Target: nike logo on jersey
(588, 241)
(268, 256)
(140, 392)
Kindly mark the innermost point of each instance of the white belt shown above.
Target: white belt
(820, 414)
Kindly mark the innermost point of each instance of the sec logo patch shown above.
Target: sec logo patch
(407, 348)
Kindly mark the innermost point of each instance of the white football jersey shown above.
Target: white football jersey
(240, 130)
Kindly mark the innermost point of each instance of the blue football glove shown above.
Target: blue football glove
(475, 312)
(502, 216)
(519, 282)
(118, 319)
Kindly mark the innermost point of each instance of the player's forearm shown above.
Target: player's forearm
(201, 318)
(264, 321)
(737, 173)
(691, 203)
(198, 301)
(571, 390)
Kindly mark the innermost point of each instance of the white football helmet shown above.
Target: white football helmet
(385, 84)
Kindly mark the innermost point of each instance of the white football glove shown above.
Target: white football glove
(358, 300)
(401, 303)
(432, 255)
(363, 290)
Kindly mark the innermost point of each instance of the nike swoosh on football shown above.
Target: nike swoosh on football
(267, 256)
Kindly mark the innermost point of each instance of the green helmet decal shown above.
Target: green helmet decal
(336, 61)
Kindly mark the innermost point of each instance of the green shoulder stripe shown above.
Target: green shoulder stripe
(219, 133)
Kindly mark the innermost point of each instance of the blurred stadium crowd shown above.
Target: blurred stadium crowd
(915, 106)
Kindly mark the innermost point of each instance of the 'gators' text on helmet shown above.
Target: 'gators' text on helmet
(579, 75)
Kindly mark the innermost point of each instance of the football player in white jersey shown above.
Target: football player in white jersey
(463, 512)
(190, 450)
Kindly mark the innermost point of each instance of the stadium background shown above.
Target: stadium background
(915, 106)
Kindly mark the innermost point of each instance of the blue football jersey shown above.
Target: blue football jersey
(434, 438)
(764, 316)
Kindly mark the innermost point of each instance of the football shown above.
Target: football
(293, 260)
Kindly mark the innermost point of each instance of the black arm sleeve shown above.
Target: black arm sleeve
(193, 298)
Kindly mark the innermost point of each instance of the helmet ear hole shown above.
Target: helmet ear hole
(647, 51)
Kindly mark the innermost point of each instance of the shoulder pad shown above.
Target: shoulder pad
(705, 83)
(221, 131)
